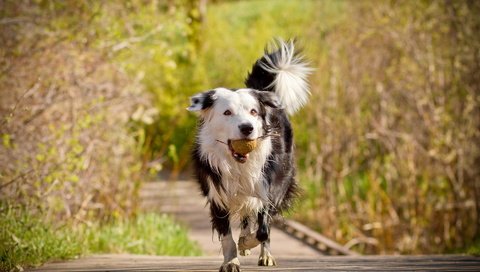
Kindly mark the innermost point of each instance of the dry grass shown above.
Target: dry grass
(66, 150)
(392, 153)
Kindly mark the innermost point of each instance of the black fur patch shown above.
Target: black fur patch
(209, 99)
(203, 172)
(267, 99)
(259, 79)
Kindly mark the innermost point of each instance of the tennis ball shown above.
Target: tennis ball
(243, 146)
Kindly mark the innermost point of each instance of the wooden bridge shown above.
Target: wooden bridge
(296, 247)
(284, 263)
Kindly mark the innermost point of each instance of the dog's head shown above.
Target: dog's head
(234, 114)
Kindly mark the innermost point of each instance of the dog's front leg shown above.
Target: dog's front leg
(230, 259)
(263, 235)
(221, 223)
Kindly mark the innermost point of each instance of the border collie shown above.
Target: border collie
(256, 186)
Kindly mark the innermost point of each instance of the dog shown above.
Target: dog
(259, 185)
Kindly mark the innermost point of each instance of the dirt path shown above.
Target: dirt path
(182, 199)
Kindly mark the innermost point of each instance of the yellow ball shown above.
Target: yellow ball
(243, 146)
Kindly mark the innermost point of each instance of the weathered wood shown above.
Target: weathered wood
(314, 238)
(322, 263)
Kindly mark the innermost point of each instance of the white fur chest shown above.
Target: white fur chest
(243, 191)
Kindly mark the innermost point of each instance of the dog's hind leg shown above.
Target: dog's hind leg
(248, 238)
(221, 223)
(245, 230)
(263, 235)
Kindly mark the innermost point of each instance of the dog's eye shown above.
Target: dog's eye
(227, 113)
(253, 112)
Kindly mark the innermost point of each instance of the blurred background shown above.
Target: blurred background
(93, 97)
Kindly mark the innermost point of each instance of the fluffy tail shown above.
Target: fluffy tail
(284, 71)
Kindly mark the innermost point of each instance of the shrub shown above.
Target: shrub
(66, 148)
(393, 140)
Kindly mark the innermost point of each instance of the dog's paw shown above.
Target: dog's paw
(247, 242)
(245, 252)
(229, 267)
(266, 260)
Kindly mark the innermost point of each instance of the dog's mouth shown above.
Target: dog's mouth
(241, 148)
(241, 158)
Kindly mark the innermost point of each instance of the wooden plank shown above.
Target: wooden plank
(112, 262)
(323, 243)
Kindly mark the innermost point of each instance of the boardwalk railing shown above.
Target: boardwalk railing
(313, 238)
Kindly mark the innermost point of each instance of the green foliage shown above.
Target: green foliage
(474, 249)
(471, 248)
(236, 34)
(151, 234)
(26, 240)
(177, 54)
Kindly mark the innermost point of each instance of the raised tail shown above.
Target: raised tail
(284, 71)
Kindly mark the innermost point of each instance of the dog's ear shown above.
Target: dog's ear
(268, 99)
(202, 101)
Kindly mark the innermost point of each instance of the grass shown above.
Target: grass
(150, 233)
(474, 249)
(27, 241)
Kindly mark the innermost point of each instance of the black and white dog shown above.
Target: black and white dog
(256, 186)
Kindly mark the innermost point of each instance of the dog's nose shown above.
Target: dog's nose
(246, 129)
